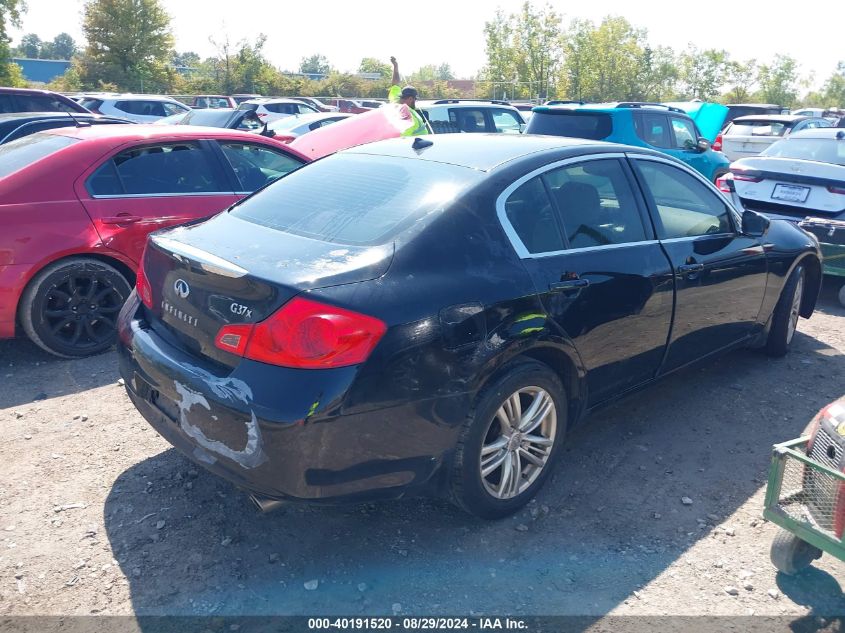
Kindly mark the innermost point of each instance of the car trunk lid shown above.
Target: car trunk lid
(229, 271)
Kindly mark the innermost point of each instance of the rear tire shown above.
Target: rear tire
(70, 308)
(790, 554)
(785, 316)
(520, 445)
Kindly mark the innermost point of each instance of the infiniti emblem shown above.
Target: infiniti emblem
(182, 288)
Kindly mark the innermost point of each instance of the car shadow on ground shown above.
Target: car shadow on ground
(828, 298)
(607, 523)
(24, 380)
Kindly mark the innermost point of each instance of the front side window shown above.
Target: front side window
(506, 122)
(142, 108)
(596, 203)
(685, 206)
(531, 215)
(653, 128)
(256, 166)
(173, 108)
(173, 169)
(685, 136)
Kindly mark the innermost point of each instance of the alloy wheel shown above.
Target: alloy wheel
(518, 442)
(81, 309)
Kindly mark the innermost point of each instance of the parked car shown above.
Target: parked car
(435, 314)
(831, 114)
(347, 105)
(316, 104)
(294, 126)
(472, 116)
(77, 205)
(666, 129)
(26, 100)
(801, 175)
(216, 117)
(213, 101)
(137, 108)
(18, 124)
(268, 110)
(525, 108)
(736, 110)
(373, 103)
(750, 135)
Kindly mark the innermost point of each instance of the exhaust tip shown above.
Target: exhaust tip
(265, 504)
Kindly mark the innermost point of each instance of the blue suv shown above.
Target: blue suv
(656, 126)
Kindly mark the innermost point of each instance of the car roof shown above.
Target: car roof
(313, 116)
(753, 105)
(470, 103)
(134, 97)
(774, 118)
(28, 91)
(485, 152)
(264, 100)
(149, 131)
(21, 116)
(832, 133)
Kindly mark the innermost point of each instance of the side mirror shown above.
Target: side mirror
(703, 144)
(522, 127)
(754, 224)
(266, 131)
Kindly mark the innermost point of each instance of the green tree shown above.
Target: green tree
(742, 76)
(30, 46)
(315, 64)
(10, 14)
(501, 53)
(779, 81)
(373, 65)
(444, 72)
(64, 46)
(703, 72)
(129, 44)
(833, 91)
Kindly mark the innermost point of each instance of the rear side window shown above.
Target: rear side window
(590, 125)
(653, 128)
(530, 213)
(596, 203)
(16, 155)
(142, 108)
(255, 166)
(173, 169)
(282, 108)
(687, 208)
(357, 199)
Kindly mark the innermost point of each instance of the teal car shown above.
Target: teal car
(664, 128)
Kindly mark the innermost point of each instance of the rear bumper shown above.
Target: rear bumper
(279, 432)
(12, 283)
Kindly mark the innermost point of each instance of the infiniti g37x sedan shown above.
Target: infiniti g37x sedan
(433, 315)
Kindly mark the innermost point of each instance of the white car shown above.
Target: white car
(798, 176)
(269, 110)
(291, 127)
(472, 115)
(750, 135)
(137, 108)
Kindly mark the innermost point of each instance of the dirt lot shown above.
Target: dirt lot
(99, 515)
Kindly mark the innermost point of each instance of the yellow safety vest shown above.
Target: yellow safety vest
(419, 128)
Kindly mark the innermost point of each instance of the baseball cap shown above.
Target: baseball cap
(409, 91)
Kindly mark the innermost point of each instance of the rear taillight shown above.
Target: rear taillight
(142, 284)
(305, 334)
(717, 144)
(722, 183)
(839, 190)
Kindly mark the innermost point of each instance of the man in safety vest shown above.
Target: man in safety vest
(408, 97)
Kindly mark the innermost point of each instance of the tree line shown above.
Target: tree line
(532, 53)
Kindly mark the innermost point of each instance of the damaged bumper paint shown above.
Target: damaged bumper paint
(278, 432)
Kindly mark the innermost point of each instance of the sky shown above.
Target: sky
(347, 30)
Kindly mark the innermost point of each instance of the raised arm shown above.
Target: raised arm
(395, 80)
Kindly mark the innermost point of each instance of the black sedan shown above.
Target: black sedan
(418, 316)
(18, 124)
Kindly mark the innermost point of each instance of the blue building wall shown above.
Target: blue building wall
(42, 70)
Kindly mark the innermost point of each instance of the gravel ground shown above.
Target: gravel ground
(99, 515)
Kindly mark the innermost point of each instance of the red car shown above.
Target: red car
(347, 105)
(77, 205)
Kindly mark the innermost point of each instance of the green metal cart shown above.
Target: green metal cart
(806, 492)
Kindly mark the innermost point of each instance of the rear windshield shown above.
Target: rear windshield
(356, 199)
(591, 125)
(16, 155)
(823, 150)
(758, 128)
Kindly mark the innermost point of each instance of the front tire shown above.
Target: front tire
(786, 313)
(510, 441)
(70, 308)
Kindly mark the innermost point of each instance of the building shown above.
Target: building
(42, 70)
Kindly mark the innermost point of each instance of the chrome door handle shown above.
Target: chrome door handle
(685, 269)
(569, 284)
